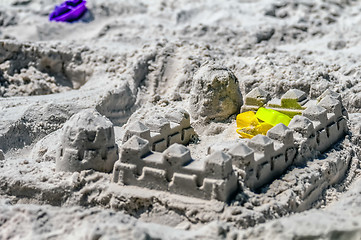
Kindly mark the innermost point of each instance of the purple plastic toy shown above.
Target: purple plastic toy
(68, 11)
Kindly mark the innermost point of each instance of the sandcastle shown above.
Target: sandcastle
(153, 154)
(87, 142)
(257, 161)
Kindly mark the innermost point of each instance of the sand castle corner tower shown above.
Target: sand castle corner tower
(87, 142)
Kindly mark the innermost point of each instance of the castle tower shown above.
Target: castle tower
(87, 142)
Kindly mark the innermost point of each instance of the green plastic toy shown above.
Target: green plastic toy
(250, 124)
(272, 117)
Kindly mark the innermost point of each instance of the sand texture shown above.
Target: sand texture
(122, 125)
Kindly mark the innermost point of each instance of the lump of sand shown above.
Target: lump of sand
(215, 94)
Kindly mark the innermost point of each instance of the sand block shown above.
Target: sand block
(174, 138)
(257, 97)
(153, 178)
(160, 145)
(218, 165)
(302, 125)
(262, 144)
(180, 180)
(138, 129)
(316, 113)
(124, 173)
(134, 149)
(293, 99)
(220, 189)
(242, 155)
(322, 140)
(281, 133)
(332, 105)
(177, 155)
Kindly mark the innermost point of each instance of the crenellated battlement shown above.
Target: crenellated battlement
(175, 171)
(162, 132)
(321, 124)
(315, 126)
(292, 103)
(264, 158)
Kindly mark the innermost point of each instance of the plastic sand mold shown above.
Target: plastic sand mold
(250, 124)
(68, 11)
(272, 117)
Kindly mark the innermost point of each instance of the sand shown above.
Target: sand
(126, 58)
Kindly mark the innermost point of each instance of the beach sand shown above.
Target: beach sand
(127, 58)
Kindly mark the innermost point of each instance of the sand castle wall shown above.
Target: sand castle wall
(162, 132)
(175, 171)
(153, 154)
(292, 103)
(264, 158)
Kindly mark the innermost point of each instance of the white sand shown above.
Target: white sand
(130, 55)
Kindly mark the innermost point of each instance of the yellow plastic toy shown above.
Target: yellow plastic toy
(248, 125)
(246, 119)
(272, 117)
